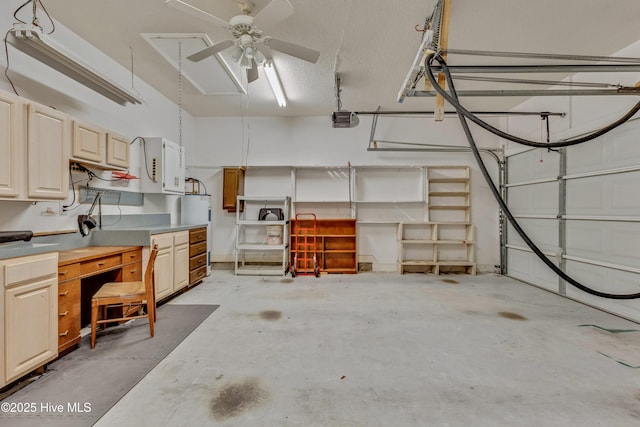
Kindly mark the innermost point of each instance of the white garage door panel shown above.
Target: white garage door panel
(535, 199)
(543, 232)
(606, 280)
(611, 242)
(527, 267)
(605, 195)
(617, 149)
(532, 165)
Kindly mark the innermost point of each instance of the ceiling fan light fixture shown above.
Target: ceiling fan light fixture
(259, 57)
(274, 82)
(236, 53)
(246, 62)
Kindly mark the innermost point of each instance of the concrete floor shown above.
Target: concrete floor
(390, 350)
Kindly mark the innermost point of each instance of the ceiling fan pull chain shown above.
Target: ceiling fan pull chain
(180, 97)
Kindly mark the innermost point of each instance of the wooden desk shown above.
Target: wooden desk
(80, 273)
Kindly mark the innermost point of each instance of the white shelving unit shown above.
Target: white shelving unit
(445, 242)
(254, 253)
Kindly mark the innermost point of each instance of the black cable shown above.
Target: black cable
(6, 69)
(144, 152)
(469, 115)
(53, 24)
(500, 200)
(73, 188)
(15, 13)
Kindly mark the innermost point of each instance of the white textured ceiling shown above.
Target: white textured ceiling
(371, 43)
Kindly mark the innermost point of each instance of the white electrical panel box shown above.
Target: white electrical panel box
(163, 169)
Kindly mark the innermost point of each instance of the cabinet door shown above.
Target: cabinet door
(163, 269)
(181, 266)
(172, 168)
(117, 151)
(48, 153)
(12, 132)
(88, 142)
(31, 327)
(232, 187)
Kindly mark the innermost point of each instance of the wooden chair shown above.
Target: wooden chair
(130, 296)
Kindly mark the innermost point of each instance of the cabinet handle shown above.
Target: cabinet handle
(101, 263)
(200, 261)
(65, 333)
(63, 314)
(133, 271)
(132, 256)
(64, 294)
(63, 273)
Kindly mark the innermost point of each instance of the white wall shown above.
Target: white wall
(157, 116)
(311, 141)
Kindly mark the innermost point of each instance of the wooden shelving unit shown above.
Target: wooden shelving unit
(445, 243)
(335, 243)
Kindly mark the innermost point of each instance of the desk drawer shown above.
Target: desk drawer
(68, 331)
(132, 256)
(197, 235)
(132, 272)
(68, 294)
(68, 312)
(197, 249)
(197, 274)
(68, 272)
(96, 265)
(197, 261)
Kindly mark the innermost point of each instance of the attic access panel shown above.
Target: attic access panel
(215, 75)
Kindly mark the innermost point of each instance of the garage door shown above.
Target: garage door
(581, 205)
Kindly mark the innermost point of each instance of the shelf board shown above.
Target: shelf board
(437, 242)
(338, 270)
(448, 193)
(448, 180)
(379, 222)
(336, 251)
(322, 201)
(260, 247)
(429, 223)
(456, 263)
(388, 201)
(418, 262)
(450, 207)
(258, 222)
(264, 199)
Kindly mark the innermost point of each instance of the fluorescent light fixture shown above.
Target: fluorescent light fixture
(274, 81)
(34, 42)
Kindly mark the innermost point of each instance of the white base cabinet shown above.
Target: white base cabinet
(171, 272)
(29, 314)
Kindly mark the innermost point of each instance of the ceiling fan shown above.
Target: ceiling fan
(247, 36)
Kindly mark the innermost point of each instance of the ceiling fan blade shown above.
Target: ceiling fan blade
(211, 50)
(276, 11)
(252, 73)
(292, 49)
(199, 13)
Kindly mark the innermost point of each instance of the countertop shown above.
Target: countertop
(131, 236)
(135, 236)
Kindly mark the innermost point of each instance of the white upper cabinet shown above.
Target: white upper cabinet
(118, 151)
(12, 134)
(48, 153)
(88, 142)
